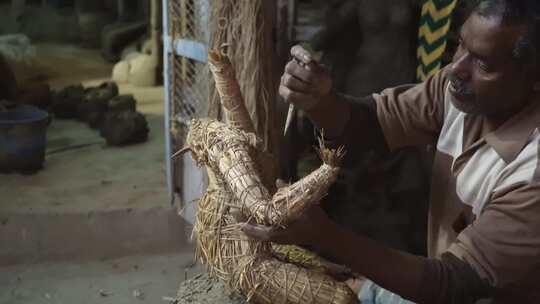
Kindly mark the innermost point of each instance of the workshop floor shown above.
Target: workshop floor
(81, 173)
(96, 224)
(138, 279)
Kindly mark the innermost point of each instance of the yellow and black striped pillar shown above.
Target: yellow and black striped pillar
(434, 27)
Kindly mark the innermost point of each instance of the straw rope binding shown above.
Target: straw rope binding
(238, 183)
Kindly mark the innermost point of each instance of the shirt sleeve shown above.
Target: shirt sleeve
(503, 244)
(412, 114)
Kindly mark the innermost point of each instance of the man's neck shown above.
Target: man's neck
(494, 121)
(491, 124)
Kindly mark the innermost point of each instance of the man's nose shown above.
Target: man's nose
(461, 65)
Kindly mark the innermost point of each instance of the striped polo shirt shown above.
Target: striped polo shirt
(485, 190)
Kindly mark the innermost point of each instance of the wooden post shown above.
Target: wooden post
(282, 29)
(17, 8)
(121, 6)
(270, 8)
(285, 20)
(292, 19)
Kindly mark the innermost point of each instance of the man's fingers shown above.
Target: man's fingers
(301, 54)
(265, 233)
(355, 284)
(259, 232)
(303, 100)
(238, 216)
(281, 183)
(296, 84)
(300, 72)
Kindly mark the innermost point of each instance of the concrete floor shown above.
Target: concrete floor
(62, 228)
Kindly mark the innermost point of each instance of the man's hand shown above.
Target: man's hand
(398, 272)
(309, 229)
(304, 83)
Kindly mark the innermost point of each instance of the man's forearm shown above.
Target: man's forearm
(331, 115)
(351, 122)
(396, 271)
(418, 279)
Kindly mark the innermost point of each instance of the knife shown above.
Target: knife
(303, 61)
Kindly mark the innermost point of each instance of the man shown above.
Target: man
(483, 113)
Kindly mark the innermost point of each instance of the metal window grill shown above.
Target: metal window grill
(187, 76)
(189, 80)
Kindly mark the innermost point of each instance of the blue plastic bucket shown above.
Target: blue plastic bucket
(22, 139)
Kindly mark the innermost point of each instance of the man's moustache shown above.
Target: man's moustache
(460, 87)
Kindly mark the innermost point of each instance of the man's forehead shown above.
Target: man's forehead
(489, 36)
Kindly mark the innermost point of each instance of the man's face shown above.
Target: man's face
(485, 79)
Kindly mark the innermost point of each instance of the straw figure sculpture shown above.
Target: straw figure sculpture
(238, 183)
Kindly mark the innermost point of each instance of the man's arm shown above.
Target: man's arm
(406, 115)
(342, 119)
(422, 280)
(359, 129)
(419, 279)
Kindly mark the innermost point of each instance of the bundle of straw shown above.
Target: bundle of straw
(231, 154)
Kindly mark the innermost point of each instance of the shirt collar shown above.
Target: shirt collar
(511, 137)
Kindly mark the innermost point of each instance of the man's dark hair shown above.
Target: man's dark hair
(517, 12)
